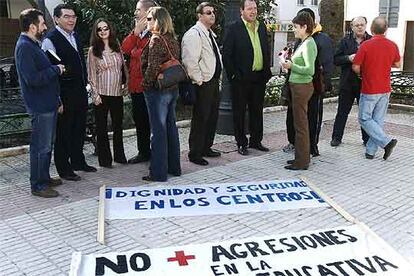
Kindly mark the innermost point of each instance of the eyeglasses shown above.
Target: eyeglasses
(149, 19)
(209, 12)
(102, 29)
(66, 16)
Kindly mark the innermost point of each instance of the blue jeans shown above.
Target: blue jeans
(372, 111)
(41, 145)
(165, 144)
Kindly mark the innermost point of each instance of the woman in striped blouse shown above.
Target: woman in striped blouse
(105, 66)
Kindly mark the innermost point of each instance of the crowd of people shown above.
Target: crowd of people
(54, 73)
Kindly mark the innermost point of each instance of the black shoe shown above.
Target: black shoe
(53, 182)
(85, 168)
(199, 161)
(150, 179)
(138, 159)
(212, 153)
(121, 161)
(243, 150)
(315, 154)
(108, 166)
(175, 173)
(389, 148)
(259, 146)
(369, 156)
(290, 162)
(335, 142)
(295, 168)
(47, 193)
(71, 177)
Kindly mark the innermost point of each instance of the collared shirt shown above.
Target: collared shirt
(105, 74)
(48, 45)
(252, 29)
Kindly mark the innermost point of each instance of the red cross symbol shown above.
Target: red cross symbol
(181, 258)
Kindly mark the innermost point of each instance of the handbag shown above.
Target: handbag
(172, 72)
(187, 92)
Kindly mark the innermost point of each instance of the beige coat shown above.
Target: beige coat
(198, 55)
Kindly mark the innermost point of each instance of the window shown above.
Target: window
(301, 2)
(314, 2)
(390, 9)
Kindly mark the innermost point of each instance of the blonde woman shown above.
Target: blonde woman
(165, 145)
(105, 65)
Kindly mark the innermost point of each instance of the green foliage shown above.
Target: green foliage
(121, 14)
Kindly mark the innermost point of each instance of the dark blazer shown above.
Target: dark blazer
(39, 79)
(347, 46)
(238, 52)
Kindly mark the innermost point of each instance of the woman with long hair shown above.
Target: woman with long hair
(105, 69)
(302, 69)
(165, 145)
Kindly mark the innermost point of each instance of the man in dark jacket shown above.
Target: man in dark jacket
(350, 84)
(246, 58)
(39, 82)
(324, 67)
(71, 124)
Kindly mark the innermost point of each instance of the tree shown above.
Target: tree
(121, 13)
(332, 18)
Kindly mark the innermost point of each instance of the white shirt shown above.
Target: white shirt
(48, 45)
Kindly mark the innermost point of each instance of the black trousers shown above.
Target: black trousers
(70, 138)
(248, 94)
(204, 118)
(347, 96)
(115, 106)
(142, 125)
(315, 114)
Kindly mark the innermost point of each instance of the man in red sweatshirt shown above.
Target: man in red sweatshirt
(132, 46)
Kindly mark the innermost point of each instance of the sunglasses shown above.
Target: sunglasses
(209, 12)
(102, 29)
(149, 19)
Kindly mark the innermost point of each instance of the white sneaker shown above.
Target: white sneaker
(289, 148)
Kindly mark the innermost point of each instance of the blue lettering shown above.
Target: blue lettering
(108, 193)
(199, 190)
(188, 202)
(121, 194)
(177, 191)
(315, 195)
(172, 204)
(283, 197)
(295, 196)
(305, 195)
(160, 204)
(140, 205)
(237, 199)
(231, 189)
(220, 200)
(144, 193)
(203, 202)
(254, 198)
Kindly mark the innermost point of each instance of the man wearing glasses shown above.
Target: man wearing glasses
(350, 84)
(202, 59)
(71, 123)
(132, 46)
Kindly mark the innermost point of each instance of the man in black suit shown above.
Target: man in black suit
(71, 122)
(246, 58)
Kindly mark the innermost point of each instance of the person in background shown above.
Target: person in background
(302, 69)
(350, 83)
(39, 82)
(71, 124)
(373, 61)
(132, 46)
(246, 58)
(202, 60)
(105, 65)
(165, 145)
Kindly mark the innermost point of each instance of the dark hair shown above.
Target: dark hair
(96, 42)
(57, 11)
(379, 25)
(243, 2)
(308, 10)
(148, 4)
(201, 6)
(29, 16)
(304, 18)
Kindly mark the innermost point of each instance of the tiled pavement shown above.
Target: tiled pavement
(38, 236)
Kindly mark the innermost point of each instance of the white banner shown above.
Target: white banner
(209, 199)
(345, 251)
